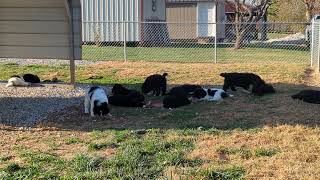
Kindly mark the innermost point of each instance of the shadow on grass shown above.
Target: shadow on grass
(241, 111)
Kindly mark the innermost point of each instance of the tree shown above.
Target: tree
(246, 15)
(310, 6)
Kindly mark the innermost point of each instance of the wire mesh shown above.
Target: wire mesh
(195, 42)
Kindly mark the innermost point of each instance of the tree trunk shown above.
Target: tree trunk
(238, 43)
(308, 15)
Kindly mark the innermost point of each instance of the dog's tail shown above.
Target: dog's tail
(165, 74)
(223, 74)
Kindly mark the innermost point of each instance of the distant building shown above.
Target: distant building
(102, 19)
(197, 14)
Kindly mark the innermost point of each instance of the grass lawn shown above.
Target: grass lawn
(242, 137)
(174, 54)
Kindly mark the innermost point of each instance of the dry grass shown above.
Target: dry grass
(201, 73)
(279, 137)
(296, 157)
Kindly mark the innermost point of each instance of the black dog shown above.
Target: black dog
(156, 83)
(171, 101)
(130, 100)
(31, 78)
(118, 89)
(263, 89)
(186, 90)
(246, 80)
(309, 96)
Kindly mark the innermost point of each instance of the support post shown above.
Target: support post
(124, 41)
(312, 42)
(69, 11)
(318, 58)
(216, 33)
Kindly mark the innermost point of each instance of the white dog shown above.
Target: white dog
(96, 102)
(17, 81)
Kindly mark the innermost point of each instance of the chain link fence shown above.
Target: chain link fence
(195, 42)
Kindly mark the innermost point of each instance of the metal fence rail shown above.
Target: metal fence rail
(195, 42)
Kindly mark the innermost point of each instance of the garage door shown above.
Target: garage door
(186, 14)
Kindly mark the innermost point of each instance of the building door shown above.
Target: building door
(206, 15)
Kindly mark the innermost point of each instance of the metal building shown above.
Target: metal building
(201, 15)
(41, 29)
(103, 19)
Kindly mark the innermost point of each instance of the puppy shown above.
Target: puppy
(156, 83)
(309, 96)
(211, 94)
(17, 81)
(244, 80)
(171, 101)
(31, 78)
(130, 100)
(25, 80)
(96, 102)
(118, 89)
(263, 89)
(185, 90)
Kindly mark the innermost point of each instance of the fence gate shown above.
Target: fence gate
(314, 39)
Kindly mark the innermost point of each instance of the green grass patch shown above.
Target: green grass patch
(266, 152)
(194, 54)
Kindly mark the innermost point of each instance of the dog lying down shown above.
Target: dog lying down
(124, 97)
(246, 81)
(309, 96)
(185, 94)
(212, 94)
(25, 80)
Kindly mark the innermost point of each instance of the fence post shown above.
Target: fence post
(124, 30)
(216, 35)
(312, 41)
(318, 47)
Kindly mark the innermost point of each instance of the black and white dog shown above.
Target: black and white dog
(126, 97)
(156, 83)
(96, 102)
(25, 80)
(246, 81)
(212, 94)
(309, 96)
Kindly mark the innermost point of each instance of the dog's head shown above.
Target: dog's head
(119, 89)
(263, 89)
(199, 93)
(211, 92)
(101, 109)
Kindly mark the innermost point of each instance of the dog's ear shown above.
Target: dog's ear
(223, 74)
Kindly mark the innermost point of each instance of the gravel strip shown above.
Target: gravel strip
(26, 106)
(49, 62)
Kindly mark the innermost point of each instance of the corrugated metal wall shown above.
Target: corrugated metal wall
(102, 20)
